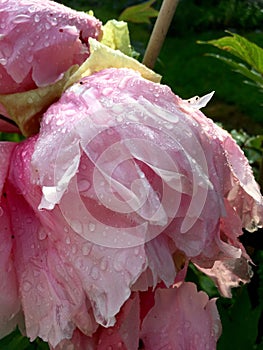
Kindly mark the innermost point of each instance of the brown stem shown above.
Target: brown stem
(159, 32)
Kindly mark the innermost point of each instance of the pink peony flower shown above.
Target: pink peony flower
(40, 40)
(141, 164)
(179, 318)
(124, 185)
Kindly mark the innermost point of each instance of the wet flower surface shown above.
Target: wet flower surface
(40, 40)
(103, 209)
(123, 186)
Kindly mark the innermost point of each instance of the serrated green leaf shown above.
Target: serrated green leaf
(139, 13)
(242, 69)
(242, 48)
(116, 36)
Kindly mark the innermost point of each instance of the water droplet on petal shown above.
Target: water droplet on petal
(83, 185)
(42, 234)
(27, 286)
(36, 18)
(103, 264)
(86, 248)
(95, 273)
(92, 226)
(21, 19)
(1, 212)
(47, 25)
(74, 249)
(3, 61)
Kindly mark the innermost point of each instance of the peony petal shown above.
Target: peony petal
(35, 33)
(181, 318)
(9, 297)
(72, 273)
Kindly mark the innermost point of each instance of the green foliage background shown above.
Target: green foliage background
(237, 106)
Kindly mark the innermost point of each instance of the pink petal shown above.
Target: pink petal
(229, 274)
(123, 336)
(181, 318)
(9, 298)
(57, 265)
(148, 164)
(35, 33)
(6, 149)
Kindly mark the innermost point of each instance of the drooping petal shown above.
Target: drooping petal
(181, 318)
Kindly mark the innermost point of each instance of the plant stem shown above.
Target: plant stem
(159, 32)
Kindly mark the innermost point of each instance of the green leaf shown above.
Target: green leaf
(139, 13)
(116, 36)
(241, 48)
(242, 69)
(239, 320)
(16, 341)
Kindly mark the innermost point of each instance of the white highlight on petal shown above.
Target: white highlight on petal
(199, 102)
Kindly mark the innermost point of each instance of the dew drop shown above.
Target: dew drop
(76, 225)
(42, 234)
(92, 226)
(30, 100)
(47, 25)
(21, 19)
(36, 18)
(53, 20)
(3, 61)
(86, 248)
(74, 249)
(1, 211)
(31, 9)
(68, 241)
(94, 273)
(103, 264)
(136, 251)
(83, 185)
(27, 286)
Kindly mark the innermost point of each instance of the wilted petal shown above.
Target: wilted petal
(229, 274)
(181, 318)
